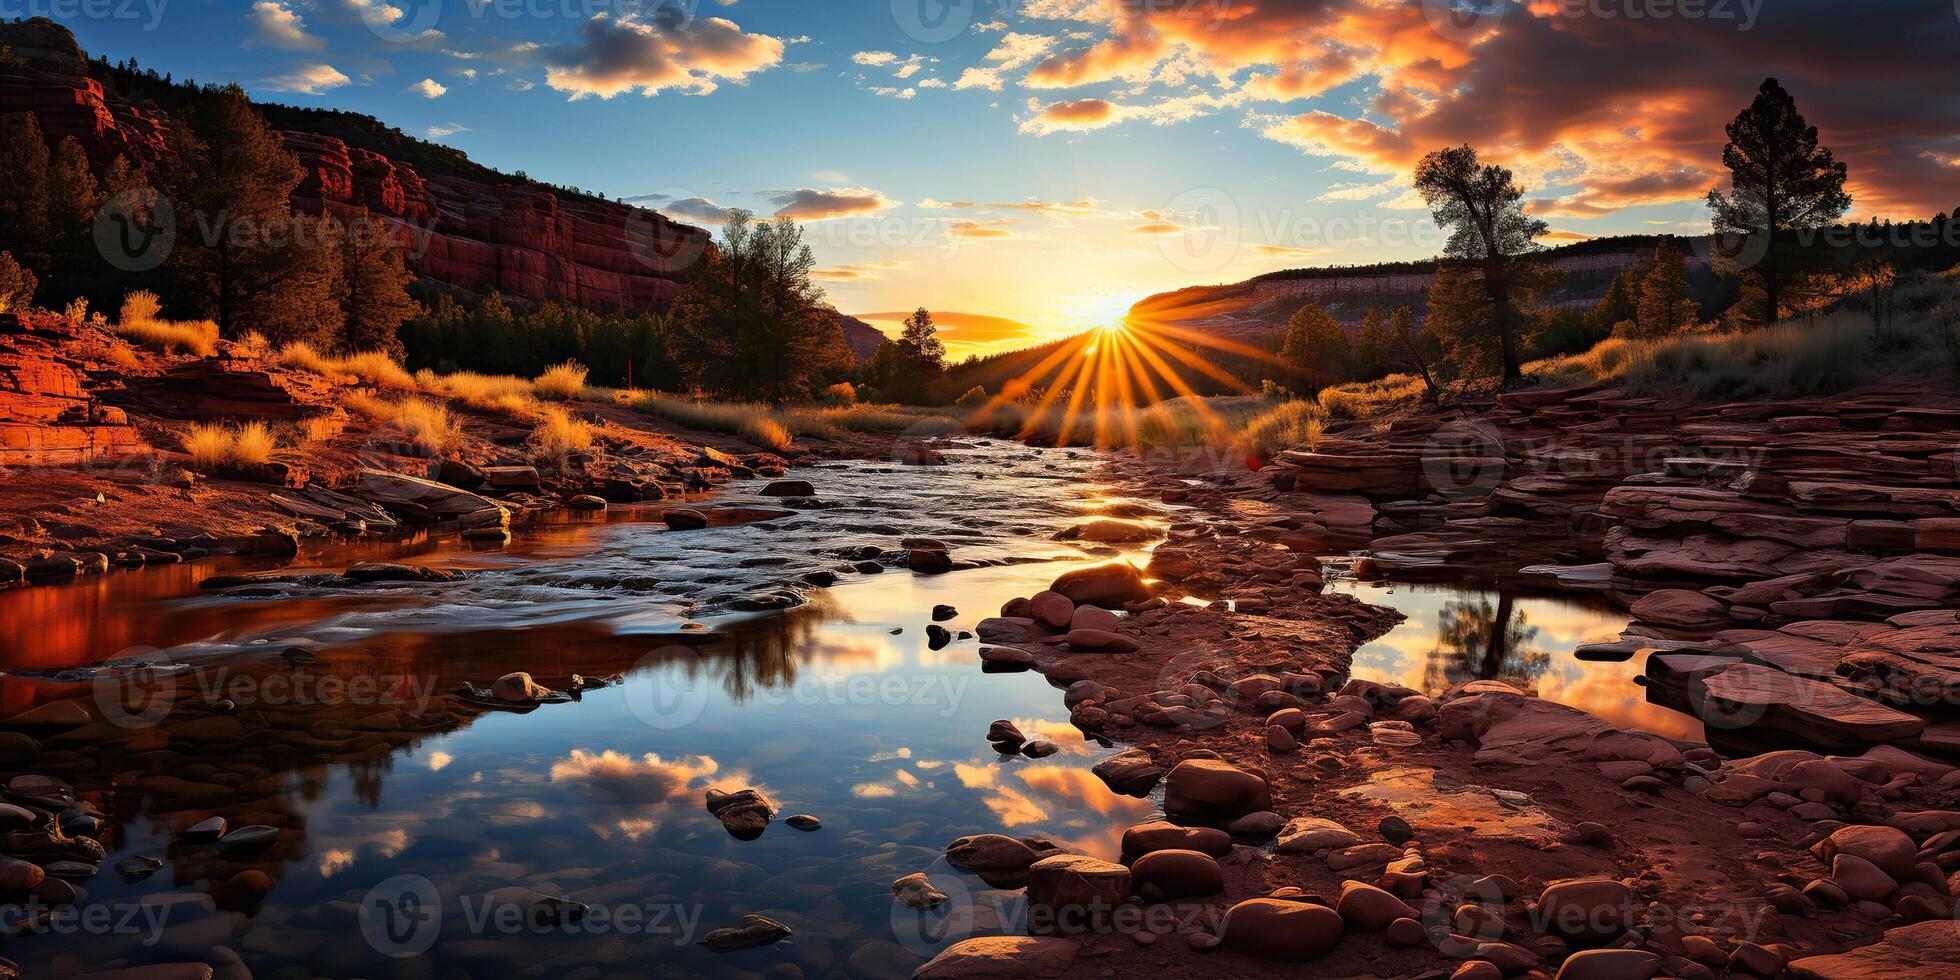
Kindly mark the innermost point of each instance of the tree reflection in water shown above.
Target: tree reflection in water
(1477, 639)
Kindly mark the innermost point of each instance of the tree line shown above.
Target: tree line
(1485, 314)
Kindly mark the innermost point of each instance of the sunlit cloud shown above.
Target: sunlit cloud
(810, 204)
(309, 80)
(275, 25)
(625, 54)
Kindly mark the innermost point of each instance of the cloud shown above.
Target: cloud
(809, 204)
(663, 50)
(830, 176)
(447, 129)
(1358, 192)
(1634, 97)
(983, 229)
(1075, 116)
(308, 80)
(698, 210)
(275, 26)
(856, 271)
(429, 88)
(929, 204)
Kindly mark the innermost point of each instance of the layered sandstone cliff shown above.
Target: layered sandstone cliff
(461, 231)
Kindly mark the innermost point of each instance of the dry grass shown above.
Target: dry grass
(1817, 354)
(563, 382)
(427, 425)
(140, 322)
(757, 424)
(125, 359)
(372, 367)
(214, 447)
(1285, 426)
(500, 393)
(560, 433)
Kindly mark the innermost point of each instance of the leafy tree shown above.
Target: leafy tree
(1484, 209)
(374, 282)
(1463, 320)
(1665, 307)
(231, 183)
(1780, 179)
(752, 321)
(1374, 348)
(24, 191)
(1315, 349)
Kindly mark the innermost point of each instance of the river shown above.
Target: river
(841, 708)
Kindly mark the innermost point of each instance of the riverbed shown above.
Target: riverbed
(401, 827)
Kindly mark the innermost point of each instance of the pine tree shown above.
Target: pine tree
(1616, 307)
(1374, 348)
(1780, 179)
(232, 184)
(374, 288)
(73, 199)
(24, 191)
(1315, 349)
(17, 285)
(291, 284)
(1665, 307)
(1484, 209)
(924, 338)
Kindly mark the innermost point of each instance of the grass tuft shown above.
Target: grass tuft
(140, 322)
(563, 382)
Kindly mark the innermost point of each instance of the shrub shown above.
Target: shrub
(17, 285)
(374, 367)
(485, 392)
(253, 443)
(1286, 426)
(973, 397)
(559, 433)
(213, 447)
(209, 446)
(563, 382)
(427, 425)
(140, 323)
(839, 394)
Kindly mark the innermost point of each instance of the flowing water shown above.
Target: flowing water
(401, 825)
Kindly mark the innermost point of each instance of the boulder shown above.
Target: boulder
(1591, 910)
(1278, 929)
(1001, 958)
(1131, 772)
(1177, 873)
(1610, 964)
(745, 813)
(1162, 835)
(1109, 586)
(1305, 835)
(990, 853)
(1369, 909)
(1071, 893)
(1209, 789)
(1815, 711)
(1517, 729)
(1888, 848)
(1683, 609)
(1925, 949)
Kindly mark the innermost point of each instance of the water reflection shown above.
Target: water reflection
(1453, 635)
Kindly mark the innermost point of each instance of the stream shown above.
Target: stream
(402, 831)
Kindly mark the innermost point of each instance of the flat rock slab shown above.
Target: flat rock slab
(1925, 949)
(1750, 695)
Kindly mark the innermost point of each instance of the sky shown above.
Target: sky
(1038, 165)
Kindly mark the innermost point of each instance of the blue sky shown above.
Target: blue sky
(1051, 161)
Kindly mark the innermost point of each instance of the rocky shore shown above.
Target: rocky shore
(1790, 567)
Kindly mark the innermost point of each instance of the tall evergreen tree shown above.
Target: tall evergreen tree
(1665, 307)
(1780, 179)
(1484, 209)
(231, 185)
(73, 199)
(24, 191)
(374, 288)
(1315, 349)
(924, 337)
(1618, 306)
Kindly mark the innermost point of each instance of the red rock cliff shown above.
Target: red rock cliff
(524, 241)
